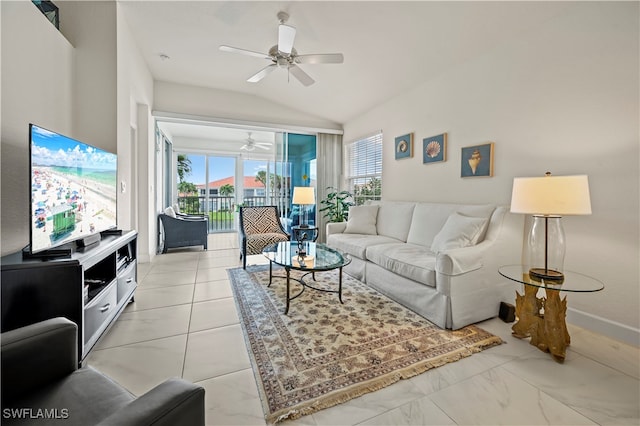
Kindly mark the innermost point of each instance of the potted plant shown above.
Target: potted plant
(336, 205)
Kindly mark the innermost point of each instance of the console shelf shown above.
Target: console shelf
(91, 287)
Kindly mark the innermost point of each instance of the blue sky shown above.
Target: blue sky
(51, 149)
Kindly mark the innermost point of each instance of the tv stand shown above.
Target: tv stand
(91, 287)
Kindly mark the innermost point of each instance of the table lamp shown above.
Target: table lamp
(548, 198)
(304, 196)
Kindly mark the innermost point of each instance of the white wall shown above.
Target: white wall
(137, 159)
(91, 28)
(37, 87)
(563, 98)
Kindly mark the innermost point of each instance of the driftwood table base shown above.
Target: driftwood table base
(542, 320)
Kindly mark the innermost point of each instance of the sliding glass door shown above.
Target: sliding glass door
(207, 186)
(215, 184)
(221, 193)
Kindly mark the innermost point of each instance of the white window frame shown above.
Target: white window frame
(363, 161)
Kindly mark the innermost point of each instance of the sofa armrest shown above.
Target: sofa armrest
(37, 354)
(173, 402)
(336, 227)
(461, 260)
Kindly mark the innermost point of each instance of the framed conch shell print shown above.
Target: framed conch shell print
(477, 160)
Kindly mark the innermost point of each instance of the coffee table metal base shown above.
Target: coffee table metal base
(304, 284)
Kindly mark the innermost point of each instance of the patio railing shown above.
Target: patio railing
(221, 210)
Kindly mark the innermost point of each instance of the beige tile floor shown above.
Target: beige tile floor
(184, 323)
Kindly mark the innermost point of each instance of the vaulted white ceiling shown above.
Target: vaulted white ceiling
(389, 47)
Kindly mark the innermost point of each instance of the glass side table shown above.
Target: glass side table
(543, 319)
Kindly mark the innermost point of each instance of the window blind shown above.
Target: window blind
(364, 168)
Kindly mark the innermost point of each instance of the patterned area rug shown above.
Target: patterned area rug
(324, 353)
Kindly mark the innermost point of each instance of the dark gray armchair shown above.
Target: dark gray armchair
(259, 227)
(41, 383)
(184, 231)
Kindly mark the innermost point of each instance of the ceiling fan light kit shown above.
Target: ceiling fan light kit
(251, 144)
(284, 55)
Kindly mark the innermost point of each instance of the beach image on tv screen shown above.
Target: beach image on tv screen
(73, 189)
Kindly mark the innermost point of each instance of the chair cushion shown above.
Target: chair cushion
(362, 220)
(257, 242)
(459, 231)
(170, 212)
(411, 261)
(86, 395)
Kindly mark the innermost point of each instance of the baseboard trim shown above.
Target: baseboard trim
(609, 328)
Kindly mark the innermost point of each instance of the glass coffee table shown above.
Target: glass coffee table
(543, 319)
(317, 258)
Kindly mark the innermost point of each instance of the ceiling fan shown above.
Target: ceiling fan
(284, 55)
(251, 144)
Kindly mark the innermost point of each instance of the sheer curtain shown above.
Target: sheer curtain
(329, 173)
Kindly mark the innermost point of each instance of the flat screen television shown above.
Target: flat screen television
(73, 189)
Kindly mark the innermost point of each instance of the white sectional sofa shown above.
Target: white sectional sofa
(439, 260)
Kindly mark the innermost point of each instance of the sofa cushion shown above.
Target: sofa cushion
(429, 218)
(356, 244)
(362, 220)
(411, 261)
(394, 219)
(459, 231)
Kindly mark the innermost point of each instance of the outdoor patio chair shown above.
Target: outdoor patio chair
(181, 231)
(259, 227)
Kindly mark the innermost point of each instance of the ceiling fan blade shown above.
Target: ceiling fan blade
(244, 52)
(302, 76)
(262, 73)
(320, 58)
(286, 36)
(263, 147)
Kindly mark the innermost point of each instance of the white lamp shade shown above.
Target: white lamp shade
(304, 195)
(551, 195)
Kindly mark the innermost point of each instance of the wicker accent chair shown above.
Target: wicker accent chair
(184, 231)
(259, 227)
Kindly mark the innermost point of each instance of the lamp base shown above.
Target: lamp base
(539, 274)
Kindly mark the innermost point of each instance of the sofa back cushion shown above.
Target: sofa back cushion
(362, 220)
(394, 219)
(429, 218)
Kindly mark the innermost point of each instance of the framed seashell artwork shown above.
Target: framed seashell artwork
(477, 160)
(434, 149)
(404, 146)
